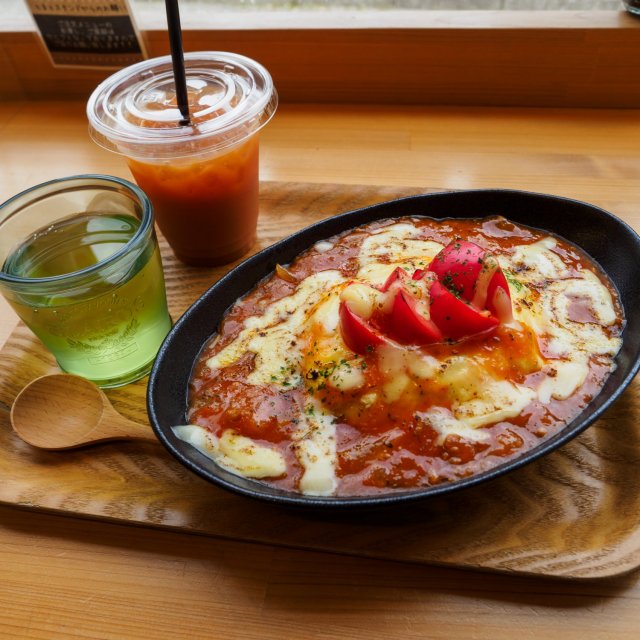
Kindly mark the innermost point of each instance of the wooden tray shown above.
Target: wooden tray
(576, 513)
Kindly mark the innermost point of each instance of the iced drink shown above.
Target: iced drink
(202, 178)
(80, 264)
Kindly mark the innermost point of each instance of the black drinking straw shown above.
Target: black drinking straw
(177, 59)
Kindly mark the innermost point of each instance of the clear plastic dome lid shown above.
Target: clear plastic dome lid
(135, 111)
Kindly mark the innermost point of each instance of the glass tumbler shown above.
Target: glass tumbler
(81, 267)
(633, 7)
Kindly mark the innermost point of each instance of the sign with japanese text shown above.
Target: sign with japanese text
(89, 33)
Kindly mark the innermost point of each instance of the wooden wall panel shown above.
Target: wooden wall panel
(507, 66)
(10, 84)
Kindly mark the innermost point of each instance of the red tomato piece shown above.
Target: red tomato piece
(409, 321)
(458, 267)
(357, 333)
(455, 318)
(397, 274)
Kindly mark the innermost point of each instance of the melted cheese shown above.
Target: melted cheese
(300, 333)
(316, 451)
(397, 245)
(540, 261)
(524, 301)
(571, 339)
(400, 365)
(497, 400)
(323, 246)
(328, 360)
(346, 377)
(464, 376)
(395, 386)
(362, 299)
(446, 424)
(234, 452)
(273, 335)
(567, 344)
(327, 312)
(562, 379)
(395, 360)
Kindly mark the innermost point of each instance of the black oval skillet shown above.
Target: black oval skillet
(609, 241)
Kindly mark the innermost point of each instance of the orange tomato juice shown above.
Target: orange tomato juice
(207, 209)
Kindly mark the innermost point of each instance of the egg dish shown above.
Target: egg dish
(402, 354)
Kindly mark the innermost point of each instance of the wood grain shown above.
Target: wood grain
(573, 514)
(572, 59)
(111, 582)
(62, 411)
(84, 578)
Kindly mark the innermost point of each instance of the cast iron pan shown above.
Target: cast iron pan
(608, 240)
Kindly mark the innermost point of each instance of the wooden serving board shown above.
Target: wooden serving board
(575, 513)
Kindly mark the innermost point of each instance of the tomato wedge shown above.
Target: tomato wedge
(409, 321)
(455, 318)
(460, 267)
(357, 333)
(397, 274)
(462, 294)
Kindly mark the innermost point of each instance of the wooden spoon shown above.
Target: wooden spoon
(64, 411)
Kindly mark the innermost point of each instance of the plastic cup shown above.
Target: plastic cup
(202, 178)
(80, 265)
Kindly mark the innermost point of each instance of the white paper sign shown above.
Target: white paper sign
(88, 33)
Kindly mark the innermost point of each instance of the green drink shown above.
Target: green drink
(90, 286)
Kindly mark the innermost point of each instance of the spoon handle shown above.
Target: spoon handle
(124, 429)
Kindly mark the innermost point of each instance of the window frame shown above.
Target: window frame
(490, 58)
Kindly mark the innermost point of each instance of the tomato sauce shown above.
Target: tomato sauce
(385, 444)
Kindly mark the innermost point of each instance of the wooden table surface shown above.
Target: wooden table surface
(71, 578)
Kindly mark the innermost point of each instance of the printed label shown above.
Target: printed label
(90, 33)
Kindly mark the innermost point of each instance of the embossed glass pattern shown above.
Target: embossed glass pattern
(82, 268)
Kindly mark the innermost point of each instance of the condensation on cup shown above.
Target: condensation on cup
(202, 178)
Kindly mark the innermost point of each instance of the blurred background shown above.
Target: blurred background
(17, 7)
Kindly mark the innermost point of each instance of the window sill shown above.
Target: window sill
(498, 58)
(151, 18)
